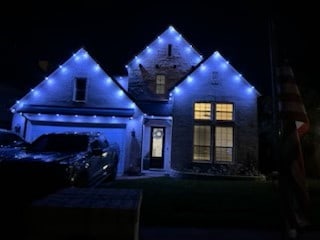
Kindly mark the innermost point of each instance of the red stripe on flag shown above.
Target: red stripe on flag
(290, 100)
(294, 123)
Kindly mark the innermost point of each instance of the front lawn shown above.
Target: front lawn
(205, 203)
(314, 190)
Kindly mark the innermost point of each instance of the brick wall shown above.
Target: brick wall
(142, 76)
(245, 124)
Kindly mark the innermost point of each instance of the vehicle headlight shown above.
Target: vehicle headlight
(106, 166)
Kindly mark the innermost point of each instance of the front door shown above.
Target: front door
(157, 147)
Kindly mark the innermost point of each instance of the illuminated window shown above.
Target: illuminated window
(160, 84)
(202, 111)
(224, 144)
(80, 88)
(201, 143)
(224, 111)
(213, 133)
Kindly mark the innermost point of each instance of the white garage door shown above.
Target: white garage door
(113, 134)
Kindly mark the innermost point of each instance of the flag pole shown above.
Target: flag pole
(273, 57)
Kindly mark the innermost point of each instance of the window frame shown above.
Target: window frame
(161, 85)
(77, 91)
(169, 50)
(215, 112)
(215, 145)
(203, 111)
(210, 146)
(215, 77)
(214, 123)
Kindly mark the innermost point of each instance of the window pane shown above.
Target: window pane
(80, 89)
(169, 49)
(202, 111)
(224, 144)
(224, 111)
(160, 84)
(157, 142)
(223, 154)
(80, 95)
(224, 136)
(160, 81)
(202, 143)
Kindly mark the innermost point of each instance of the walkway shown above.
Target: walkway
(166, 233)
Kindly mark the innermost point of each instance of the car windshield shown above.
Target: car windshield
(60, 143)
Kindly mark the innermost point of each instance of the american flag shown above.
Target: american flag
(294, 123)
(291, 104)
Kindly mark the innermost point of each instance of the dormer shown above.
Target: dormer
(160, 66)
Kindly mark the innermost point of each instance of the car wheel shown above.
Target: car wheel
(113, 174)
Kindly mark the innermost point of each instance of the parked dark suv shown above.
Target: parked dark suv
(10, 143)
(63, 159)
(10, 139)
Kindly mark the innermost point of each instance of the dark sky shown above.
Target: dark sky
(115, 31)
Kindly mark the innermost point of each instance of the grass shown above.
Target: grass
(314, 191)
(205, 203)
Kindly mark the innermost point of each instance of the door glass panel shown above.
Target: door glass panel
(157, 142)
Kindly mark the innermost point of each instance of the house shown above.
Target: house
(185, 113)
(79, 96)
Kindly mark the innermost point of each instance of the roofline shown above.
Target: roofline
(197, 66)
(102, 69)
(195, 49)
(187, 74)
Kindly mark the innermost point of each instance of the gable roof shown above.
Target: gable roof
(168, 36)
(216, 62)
(56, 90)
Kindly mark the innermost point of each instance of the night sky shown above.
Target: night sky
(113, 32)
